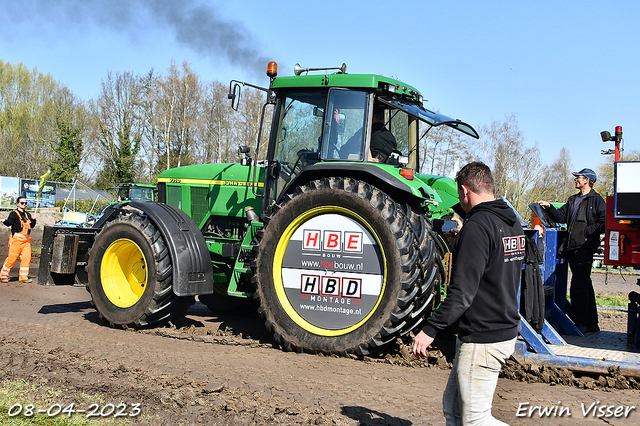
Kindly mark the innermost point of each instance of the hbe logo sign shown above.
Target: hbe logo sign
(345, 241)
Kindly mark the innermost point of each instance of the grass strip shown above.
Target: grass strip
(611, 300)
(16, 397)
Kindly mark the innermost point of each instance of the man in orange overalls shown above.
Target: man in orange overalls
(21, 224)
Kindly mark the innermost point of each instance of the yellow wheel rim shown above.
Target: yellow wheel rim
(123, 272)
(277, 269)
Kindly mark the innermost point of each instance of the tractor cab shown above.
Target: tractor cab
(331, 121)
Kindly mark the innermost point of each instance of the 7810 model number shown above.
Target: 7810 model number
(94, 410)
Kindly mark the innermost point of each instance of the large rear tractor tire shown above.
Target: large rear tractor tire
(131, 275)
(431, 251)
(340, 269)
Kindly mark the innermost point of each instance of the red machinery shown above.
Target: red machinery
(622, 234)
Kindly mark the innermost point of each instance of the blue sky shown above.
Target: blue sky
(566, 69)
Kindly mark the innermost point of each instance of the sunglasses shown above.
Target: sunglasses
(22, 202)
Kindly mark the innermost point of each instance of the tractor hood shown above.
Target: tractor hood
(434, 119)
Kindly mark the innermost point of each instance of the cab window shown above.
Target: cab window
(298, 137)
(344, 125)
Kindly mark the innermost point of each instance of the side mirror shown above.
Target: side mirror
(234, 95)
(246, 159)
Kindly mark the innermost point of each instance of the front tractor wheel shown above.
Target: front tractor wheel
(130, 275)
(339, 270)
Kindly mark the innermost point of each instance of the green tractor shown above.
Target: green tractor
(332, 236)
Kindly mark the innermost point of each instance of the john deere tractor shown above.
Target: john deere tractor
(331, 236)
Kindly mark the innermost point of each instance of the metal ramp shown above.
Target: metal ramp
(560, 343)
(594, 353)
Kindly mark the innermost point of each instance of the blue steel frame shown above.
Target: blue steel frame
(554, 276)
(534, 348)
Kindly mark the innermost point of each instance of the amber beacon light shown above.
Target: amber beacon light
(272, 69)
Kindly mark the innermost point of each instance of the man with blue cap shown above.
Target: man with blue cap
(584, 213)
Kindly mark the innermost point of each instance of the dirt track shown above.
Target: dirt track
(222, 369)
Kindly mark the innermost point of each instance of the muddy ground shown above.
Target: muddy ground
(223, 369)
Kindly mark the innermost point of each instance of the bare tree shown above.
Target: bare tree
(441, 148)
(178, 103)
(507, 144)
(167, 98)
(118, 126)
(215, 122)
(554, 183)
(187, 102)
(248, 124)
(431, 147)
(561, 178)
(150, 125)
(516, 167)
(527, 167)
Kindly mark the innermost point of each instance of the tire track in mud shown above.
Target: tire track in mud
(165, 399)
(223, 368)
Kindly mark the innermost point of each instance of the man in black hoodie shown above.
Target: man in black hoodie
(585, 216)
(482, 300)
